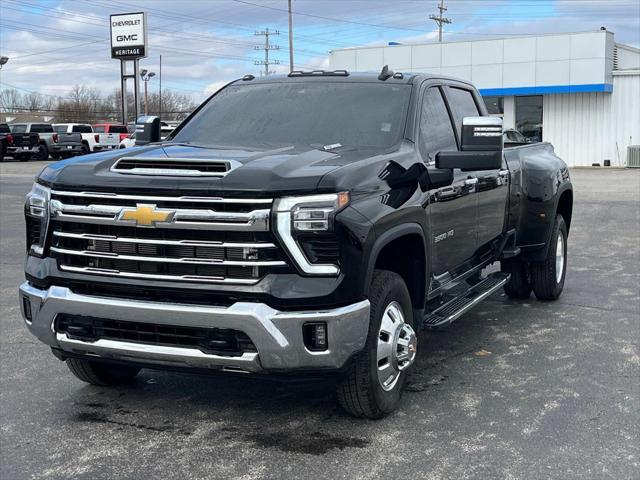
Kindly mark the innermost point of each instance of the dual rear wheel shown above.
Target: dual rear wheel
(545, 278)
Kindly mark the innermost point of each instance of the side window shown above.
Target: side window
(462, 105)
(436, 132)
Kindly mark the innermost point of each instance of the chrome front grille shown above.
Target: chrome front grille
(195, 239)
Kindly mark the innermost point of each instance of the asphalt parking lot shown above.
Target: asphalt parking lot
(512, 390)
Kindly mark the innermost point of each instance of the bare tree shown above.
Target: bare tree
(33, 101)
(10, 99)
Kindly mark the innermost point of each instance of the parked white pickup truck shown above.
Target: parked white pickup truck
(91, 141)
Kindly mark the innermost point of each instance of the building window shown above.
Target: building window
(529, 117)
(495, 105)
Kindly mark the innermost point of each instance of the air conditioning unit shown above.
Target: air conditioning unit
(633, 156)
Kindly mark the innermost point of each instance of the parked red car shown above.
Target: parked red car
(111, 128)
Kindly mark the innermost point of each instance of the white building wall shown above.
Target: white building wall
(587, 128)
(542, 61)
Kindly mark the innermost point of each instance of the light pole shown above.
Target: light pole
(146, 76)
(3, 60)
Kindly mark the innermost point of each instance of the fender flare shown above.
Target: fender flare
(541, 254)
(395, 232)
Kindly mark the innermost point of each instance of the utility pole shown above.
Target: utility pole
(160, 99)
(267, 46)
(440, 20)
(290, 39)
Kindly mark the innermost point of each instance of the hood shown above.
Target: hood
(283, 170)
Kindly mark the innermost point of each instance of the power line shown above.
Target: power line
(440, 20)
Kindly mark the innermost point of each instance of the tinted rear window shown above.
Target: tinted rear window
(41, 128)
(4, 128)
(98, 129)
(18, 128)
(118, 129)
(82, 129)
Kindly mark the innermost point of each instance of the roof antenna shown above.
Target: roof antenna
(385, 73)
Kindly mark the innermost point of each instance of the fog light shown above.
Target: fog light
(315, 336)
(26, 308)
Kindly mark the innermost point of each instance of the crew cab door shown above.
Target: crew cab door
(491, 186)
(452, 209)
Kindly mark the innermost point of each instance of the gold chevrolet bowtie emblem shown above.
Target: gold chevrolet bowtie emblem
(146, 215)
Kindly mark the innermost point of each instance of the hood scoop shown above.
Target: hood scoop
(174, 167)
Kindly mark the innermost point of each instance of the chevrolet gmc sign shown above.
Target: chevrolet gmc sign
(128, 35)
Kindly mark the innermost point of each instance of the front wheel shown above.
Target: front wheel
(547, 277)
(100, 373)
(373, 384)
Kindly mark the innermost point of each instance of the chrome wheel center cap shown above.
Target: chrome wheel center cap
(397, 346)
(406, 346)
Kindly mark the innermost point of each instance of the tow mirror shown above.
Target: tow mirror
(147, 130)
(481, 146)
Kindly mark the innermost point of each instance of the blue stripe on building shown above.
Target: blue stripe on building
(548, 90)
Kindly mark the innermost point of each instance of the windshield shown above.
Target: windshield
(282, 114)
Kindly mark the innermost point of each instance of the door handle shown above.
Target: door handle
(445, 193)
(470, 181)
(503, 173)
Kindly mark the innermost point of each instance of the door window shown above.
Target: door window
(462, 105)
(529, 117)
(436, 132)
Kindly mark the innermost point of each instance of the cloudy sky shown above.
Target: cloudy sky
(55, 44)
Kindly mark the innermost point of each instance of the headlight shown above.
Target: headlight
(308, 214)
(36, 212)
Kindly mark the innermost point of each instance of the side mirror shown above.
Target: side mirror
(481, 146)
(147, 130)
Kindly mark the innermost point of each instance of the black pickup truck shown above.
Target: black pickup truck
(303, 224)
(20, 146)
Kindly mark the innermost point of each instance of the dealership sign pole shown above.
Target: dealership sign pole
(129, 44)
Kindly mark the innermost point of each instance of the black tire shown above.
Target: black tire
(85, 149)
(99, 373)
(360, 392)
(43, 152)
(546, 283)
(518, 286)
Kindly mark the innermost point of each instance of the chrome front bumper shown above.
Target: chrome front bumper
(277, 335)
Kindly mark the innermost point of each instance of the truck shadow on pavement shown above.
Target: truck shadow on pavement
(298, 417)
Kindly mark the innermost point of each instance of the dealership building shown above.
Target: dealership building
(579, 91)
